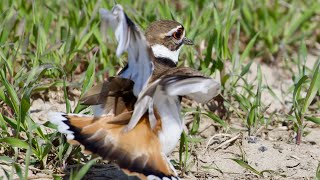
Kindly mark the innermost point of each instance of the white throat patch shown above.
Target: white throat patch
(160, 51)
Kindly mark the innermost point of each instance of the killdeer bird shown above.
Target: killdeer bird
(147, 55)
(143, 123)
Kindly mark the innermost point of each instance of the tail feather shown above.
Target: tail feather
(59, 119)
(138, 151)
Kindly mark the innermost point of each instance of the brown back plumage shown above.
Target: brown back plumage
(114, 94)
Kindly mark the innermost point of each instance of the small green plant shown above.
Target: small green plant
(301, 102)
(187, 141)
(239, 93)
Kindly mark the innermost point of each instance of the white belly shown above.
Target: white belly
(171, 122)
(169, 138)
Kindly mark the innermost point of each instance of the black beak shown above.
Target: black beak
(187, 41)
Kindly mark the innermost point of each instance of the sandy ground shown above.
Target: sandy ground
(271, 149)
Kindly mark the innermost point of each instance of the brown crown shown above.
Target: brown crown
(156, 33)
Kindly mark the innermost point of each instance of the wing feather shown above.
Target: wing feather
(174, 83)
(200, 89)
(144, 104)
(131, 39)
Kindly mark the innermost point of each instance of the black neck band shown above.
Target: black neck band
(166, 61)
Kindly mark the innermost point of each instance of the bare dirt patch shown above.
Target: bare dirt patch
(274, 151)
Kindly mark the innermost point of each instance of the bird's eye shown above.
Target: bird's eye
(177, 35)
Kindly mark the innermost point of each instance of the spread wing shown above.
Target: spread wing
(110, 97)
(164, 92)
(138, 152)
(131, 39)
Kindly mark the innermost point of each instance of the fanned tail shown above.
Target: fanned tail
(138, 152)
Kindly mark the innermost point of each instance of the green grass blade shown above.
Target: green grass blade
(246, 166)
(235, 55)
(88, 82)
(313, 119)
(3, 124)
(84, 169)
(84, 40)
(251, 118)
(182, 142)
(15, 142)
(7, 159)
(186, 150)
(11, 92)
(229, 22)
(313, 88)
(18, 169)
(297, 88)
(65, 94)
(183, 149)
(258, 94)
(89, 79)
(24, 107)
(248, 48)
(246, 69)
(217, 20)
(302, 58)
(318, 171)
(208, 58)
(196, 122)
(27, 162)
(216, 119)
